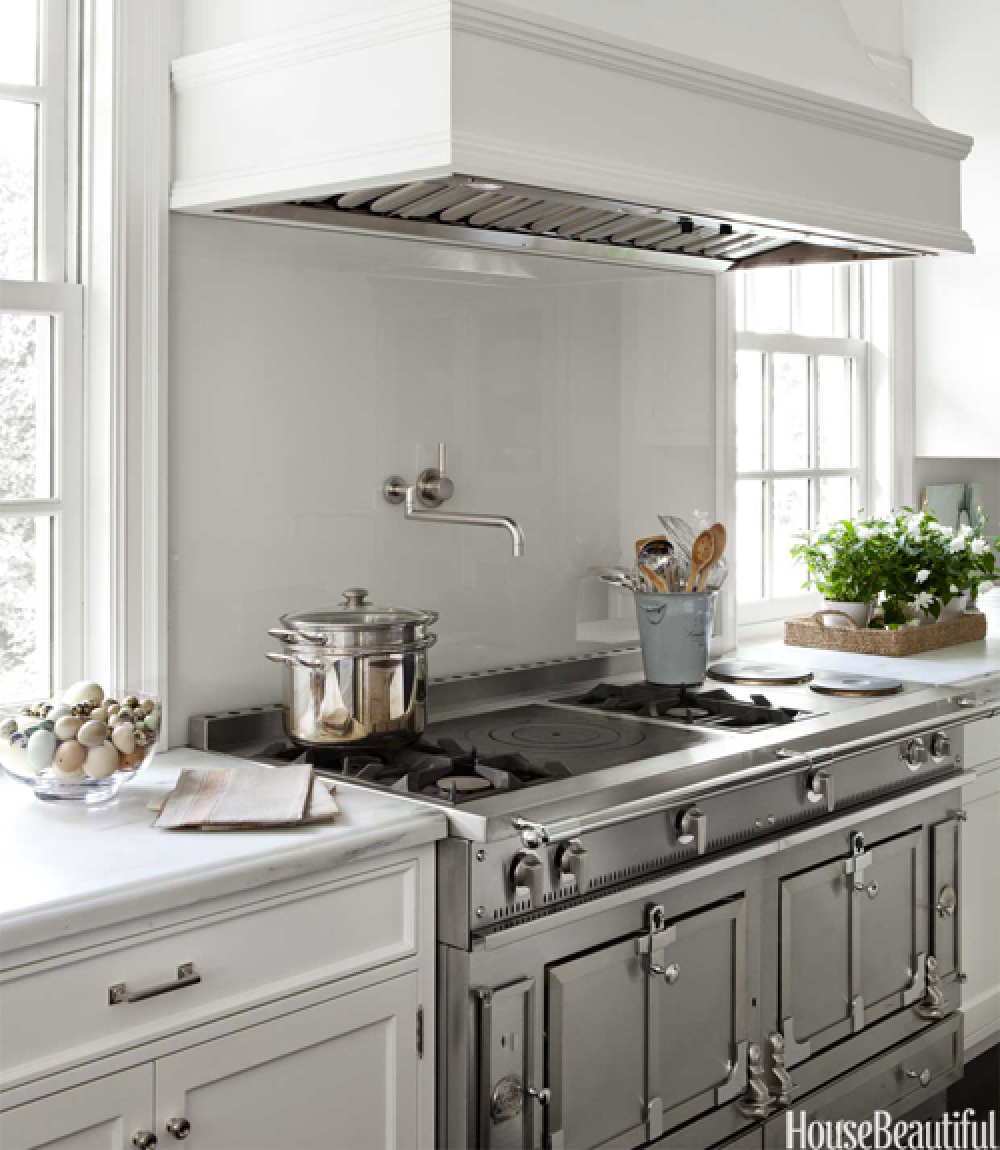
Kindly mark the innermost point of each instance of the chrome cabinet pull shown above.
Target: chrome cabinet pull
(947, 902)
(120, 993)
(179, 1127)
(671, 972)
(144, 1140)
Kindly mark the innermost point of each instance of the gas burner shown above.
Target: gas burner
(855, 686)
(750, 674)
(441, 768)
(714, 708)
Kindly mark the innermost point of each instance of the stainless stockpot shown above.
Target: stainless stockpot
(355, 675)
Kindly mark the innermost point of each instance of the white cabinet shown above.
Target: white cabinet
(299, 1024)
(338, 1076)
(103, 1115)
(981, 908)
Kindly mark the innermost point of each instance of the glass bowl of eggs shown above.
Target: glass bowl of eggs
(81, 746)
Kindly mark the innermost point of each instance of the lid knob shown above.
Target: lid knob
(356, 596)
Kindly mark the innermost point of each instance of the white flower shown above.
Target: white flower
(922, 600)
(881, 597)
(979, 546)
(943, 529)
(954, 590)
(965, 530)
(984, 588)
(923, 576)
(957, 544)
(865, 532)
(827, 550)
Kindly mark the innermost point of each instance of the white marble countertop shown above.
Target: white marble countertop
(68, 868)
(947, 665)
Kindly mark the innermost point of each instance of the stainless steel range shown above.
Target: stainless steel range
(670, 915)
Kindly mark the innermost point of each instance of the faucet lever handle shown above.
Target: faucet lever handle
(433, 485)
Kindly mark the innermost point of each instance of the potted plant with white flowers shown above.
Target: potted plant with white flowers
(936, 570)
(912, 567)
(844, 563)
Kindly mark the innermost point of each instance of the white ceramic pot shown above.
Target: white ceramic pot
(955, 607)
(861, 613)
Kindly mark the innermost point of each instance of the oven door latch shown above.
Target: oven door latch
(819, 779)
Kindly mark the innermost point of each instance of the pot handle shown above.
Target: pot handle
(293, 660)
(288, 636)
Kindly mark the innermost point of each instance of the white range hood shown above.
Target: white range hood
(700, 134)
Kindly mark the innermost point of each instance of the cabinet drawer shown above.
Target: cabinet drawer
(58, 1013)
(892, 1082)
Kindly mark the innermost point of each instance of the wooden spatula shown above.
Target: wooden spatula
(719, 539)
(702, 553)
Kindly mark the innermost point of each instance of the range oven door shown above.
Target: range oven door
(648, 1032)
(853, 942)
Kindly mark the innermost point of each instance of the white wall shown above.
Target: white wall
(955, 48)
(306, 366)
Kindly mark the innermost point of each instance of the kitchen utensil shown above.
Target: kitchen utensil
(355, 675)
(702, 554)
(656, 582)
(674, 631)
(719, 541)
(657, 554)
(623, 577)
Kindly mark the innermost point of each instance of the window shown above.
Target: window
(41, 358)
(801, 421)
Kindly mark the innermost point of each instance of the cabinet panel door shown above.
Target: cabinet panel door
(596, 1007)
(981, 910)
(698, 1026)
(342, 1074)
(816, 962)
(102, 1115)
(893, 923)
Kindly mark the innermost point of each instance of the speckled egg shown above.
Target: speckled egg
(70, 757)
(14, 757)
(85, 691)
(41, 748)
(93, 733)
(101, 761)
(123, 737)
(67, 726)
(7, 728)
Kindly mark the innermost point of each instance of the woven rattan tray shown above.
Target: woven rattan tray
(813, 632)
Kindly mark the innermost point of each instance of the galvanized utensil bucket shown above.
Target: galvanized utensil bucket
(675, 632)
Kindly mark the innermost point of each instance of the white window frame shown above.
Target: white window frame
(52, 294)
(773, 607)
(874, 348)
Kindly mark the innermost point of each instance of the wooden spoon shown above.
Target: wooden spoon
(702, 554)
(657, 581)
(719, 539)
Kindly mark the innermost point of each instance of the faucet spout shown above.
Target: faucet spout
(465, 518)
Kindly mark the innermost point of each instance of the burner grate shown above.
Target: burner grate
(714, 708)
(443, 768)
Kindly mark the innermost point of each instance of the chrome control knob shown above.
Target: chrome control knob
(692, 827)
(820, 788)
(179, 1127)
(940, 747)
(574, 862)
(144, 1140)
(915, 754)
(528, 874)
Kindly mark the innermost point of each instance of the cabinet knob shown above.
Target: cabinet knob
(922, 1076)
(144, 1140)
(179, 1127)
(940, 746)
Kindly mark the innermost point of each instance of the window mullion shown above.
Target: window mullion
(52, 123)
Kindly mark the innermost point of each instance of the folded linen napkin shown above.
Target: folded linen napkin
(247, 797)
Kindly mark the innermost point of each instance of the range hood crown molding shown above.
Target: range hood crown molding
(415, 97)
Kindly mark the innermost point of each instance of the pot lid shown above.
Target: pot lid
(357, 613)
